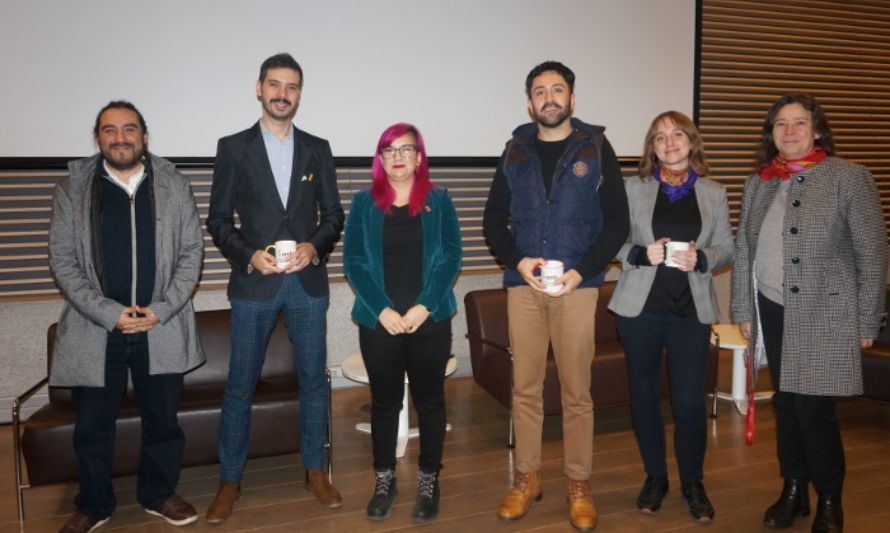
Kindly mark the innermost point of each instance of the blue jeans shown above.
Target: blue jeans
(252, 324)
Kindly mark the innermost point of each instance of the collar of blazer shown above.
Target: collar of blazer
(259, 160)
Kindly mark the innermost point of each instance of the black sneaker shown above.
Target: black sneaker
(653, 493)
(385, 492)
(426, 506)
(697, 501)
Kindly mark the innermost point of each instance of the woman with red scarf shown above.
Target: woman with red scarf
(808, 283)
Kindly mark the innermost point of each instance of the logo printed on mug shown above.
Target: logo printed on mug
(550, 272)
(673, 246)
(284, 250)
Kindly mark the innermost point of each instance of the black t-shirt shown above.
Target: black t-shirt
(550, 152)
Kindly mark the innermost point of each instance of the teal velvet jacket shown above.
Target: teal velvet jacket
(363, 257)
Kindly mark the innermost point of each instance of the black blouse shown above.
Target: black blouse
(681, 221)
(403, 262)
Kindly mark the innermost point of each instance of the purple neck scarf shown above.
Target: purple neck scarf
(681, 191)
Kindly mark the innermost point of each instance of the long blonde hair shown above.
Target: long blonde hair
(697, 159)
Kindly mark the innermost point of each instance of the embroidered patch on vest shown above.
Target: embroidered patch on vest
(580, 169)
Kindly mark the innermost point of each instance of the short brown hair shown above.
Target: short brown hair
(697, 159)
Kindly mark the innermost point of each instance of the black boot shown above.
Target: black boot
(794, 501)
(829, 514)
(426, 507)
(653, 493)
(697, 501)
(385, 491)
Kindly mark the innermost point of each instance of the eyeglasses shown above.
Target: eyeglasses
(407, 150)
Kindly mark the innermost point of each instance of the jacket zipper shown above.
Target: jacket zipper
(133, 248)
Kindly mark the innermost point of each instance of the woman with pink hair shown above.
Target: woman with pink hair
(402, 255)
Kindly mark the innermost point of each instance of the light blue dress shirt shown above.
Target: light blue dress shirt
(281, 159)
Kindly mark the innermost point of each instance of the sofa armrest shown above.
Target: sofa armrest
(25, 396)
(493, 344)
(17, 443)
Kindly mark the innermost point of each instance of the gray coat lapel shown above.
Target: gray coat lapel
(163, 202)
(644, 208)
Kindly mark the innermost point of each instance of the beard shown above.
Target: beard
(288, 114)
(552, 121)
(124, 162)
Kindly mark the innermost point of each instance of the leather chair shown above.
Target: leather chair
(491, 359)
(43, 443)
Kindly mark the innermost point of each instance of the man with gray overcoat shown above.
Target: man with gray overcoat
(125, 248)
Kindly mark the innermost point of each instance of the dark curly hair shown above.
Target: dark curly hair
(767, 149)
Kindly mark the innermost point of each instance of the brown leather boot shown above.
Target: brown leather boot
(582, 513)
(221, 507)
(318, 484)
(526, 490)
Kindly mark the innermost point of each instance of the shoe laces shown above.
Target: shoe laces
(383, 481)
(652, 486)
(426, 484)
(697, 493)
(522, 481)
(579, 490)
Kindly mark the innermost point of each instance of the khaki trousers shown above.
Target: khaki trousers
(535, 321)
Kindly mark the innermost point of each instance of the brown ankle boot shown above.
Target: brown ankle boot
(318, 484)
(526, 490)
(221, 507)
(582, 513)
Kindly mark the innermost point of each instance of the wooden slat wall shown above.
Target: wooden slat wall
(468, 188)
(26, 205)
(753, 51)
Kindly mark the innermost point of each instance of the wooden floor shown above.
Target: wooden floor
(741, 480)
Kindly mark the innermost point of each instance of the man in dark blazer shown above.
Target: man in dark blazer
(281, 182)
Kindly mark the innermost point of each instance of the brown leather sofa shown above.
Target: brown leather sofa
(486, 312)
(45, 440)
(876, 365)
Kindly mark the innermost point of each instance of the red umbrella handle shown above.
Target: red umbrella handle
(749, 382)
(749, 421)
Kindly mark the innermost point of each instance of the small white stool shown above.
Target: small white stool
(354, 368)
(730, 338)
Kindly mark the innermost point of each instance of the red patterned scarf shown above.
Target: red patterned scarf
(782, 168)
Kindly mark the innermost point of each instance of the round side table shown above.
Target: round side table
(354, 368)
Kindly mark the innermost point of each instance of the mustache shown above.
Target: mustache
(281, 101)
(122, 145)
(551, 105)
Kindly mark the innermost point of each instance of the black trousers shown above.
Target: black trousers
(808, 437)
(94, 429)
(423, 356)
(686, 341)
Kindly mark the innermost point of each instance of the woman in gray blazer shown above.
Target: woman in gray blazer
(808, 281)
(665, 301)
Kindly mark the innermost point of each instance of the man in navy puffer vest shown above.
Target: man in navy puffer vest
(558, 194)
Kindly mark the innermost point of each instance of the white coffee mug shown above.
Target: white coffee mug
(284, 251)
(673, 246)
(550, 272)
